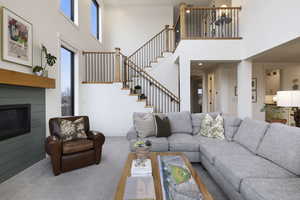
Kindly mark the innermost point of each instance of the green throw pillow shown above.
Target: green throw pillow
(212, 128)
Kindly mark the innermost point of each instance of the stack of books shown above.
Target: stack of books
(139, 188)
(141, 168)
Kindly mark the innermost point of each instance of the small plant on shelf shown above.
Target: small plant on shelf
(137, 89)
(50, 60)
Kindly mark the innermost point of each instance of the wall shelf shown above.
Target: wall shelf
(9, 77)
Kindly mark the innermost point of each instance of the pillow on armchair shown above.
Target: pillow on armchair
(70, 130)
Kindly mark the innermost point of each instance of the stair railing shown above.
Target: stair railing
(154, 48)
(148, 89)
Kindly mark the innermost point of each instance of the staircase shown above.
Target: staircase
(112, 67)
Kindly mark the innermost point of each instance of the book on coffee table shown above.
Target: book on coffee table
(141, 169)
(139, 188)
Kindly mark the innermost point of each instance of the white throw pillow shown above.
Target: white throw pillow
(212, 128)
(144, 124)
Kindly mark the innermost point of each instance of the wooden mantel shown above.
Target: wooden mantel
(9, 77)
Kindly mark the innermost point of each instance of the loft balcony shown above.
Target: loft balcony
(203, 23)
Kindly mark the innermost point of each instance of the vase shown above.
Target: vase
(142, 153)
(45, 74)
(39, 73)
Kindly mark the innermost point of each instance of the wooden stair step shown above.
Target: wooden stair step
(141, 100)
(133, 94)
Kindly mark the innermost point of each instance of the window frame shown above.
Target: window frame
(72, 74)
(72, 9)
(95, 2)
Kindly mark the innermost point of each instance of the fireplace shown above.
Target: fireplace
(15, 120)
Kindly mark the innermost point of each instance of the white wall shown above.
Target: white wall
(289, 71)
(266, 24)
(166, 72)
(110, 109)
(225, 81)
(204, 50)
(50, 27)
(130, 26)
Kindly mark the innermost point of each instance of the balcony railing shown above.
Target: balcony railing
(207, 23)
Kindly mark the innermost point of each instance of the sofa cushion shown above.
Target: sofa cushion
(269, 189)
(231, 125)
(180, 122)
(158, 144)
(212, 148)
(144, 124)
(250, 133)
(281, 145)
(183, 143)
(236, 168)
(76, 146)
(197, 119)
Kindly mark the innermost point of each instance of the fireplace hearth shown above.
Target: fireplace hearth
(15, 120)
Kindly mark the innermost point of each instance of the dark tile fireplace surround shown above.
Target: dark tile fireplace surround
(22, 128)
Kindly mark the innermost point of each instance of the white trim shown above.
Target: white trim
(77, 61)
(75, 23)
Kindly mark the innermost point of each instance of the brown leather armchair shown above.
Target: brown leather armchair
(66, 156)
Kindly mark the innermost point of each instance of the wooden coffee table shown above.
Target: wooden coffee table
(156, 176)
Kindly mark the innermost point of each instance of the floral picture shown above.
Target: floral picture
(17, 39)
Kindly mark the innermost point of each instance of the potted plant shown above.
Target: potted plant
(137, 89)
(38, 70)
(50, 60)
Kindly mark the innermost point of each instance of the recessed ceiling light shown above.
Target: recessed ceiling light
(188, 11)
(200, 63)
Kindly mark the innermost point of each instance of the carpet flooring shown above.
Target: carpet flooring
(96, 182)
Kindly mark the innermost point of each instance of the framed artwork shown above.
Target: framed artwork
(17, 39)
(254, 84)
(254, 96)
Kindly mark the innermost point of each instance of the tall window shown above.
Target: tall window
(95, 19)
(67, 82)
(67, 7)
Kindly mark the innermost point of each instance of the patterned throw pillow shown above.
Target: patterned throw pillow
(212, 128)
(70, 130)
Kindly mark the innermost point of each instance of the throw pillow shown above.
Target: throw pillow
(197, 119)
(70, 130)
(163, 128)
(144, 124)
(212, 128)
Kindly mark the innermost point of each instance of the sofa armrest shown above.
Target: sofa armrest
(53, 146)
(99, 140)
(132, 134)
(96, 137)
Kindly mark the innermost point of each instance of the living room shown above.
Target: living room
(119, 75)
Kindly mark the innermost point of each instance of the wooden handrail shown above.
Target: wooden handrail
(154, 81)
(147, 42)
(212, 8)
(98, 52)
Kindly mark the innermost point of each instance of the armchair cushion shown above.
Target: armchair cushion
(70, 130)
(76, 146)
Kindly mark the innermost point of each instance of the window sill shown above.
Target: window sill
(100, 42)
(74, 24)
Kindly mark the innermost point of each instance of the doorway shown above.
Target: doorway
(196, 94)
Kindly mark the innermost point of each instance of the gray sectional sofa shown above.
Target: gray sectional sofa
(256, 161)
